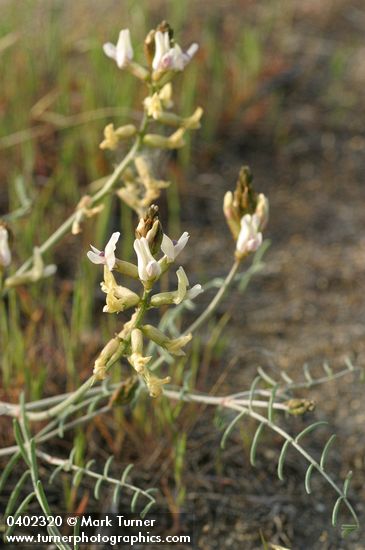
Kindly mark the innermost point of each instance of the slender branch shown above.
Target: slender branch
(45, 434)
(97, 197)
(216, 300)
(10, 409)
(54, 461)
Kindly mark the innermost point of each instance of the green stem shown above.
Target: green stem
(216, 300)
(84, 388)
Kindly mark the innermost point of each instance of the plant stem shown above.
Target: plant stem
(97, 197)
(216, 300)
(83, 389)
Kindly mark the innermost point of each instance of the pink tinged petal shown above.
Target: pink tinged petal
(249, 239)
(153, 269)
(96, 250)
(255, 243)
(173, 59)
(167, 247)
(110, 50)
(166, 62)
(95, 258)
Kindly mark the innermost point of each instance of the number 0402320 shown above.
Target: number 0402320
(34, 521)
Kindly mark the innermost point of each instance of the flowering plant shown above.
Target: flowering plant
(144, 346)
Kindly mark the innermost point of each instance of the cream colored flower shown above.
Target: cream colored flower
(159, 101)
(249, 238)
(153, 106)
(165, 95)
(154, 384)
(118, 298)
(169, 58)
(122, 52)
(139, 362)
(162, 47)
(111, 138)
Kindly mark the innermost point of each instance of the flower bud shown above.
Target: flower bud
(150, 228)
(297, 407)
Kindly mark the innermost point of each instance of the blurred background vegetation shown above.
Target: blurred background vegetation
(281, 83)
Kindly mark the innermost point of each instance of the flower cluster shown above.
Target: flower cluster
(165, 58)
(162, 51)
(150, 243)
(246, 213)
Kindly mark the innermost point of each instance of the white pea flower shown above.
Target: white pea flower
(106, 256)
(162, 47)
(182, 288)
(167, 58)
(5, 254)
(122, 53)
(148, 268)
(249, 238)
(172, 249)
(176, 60)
